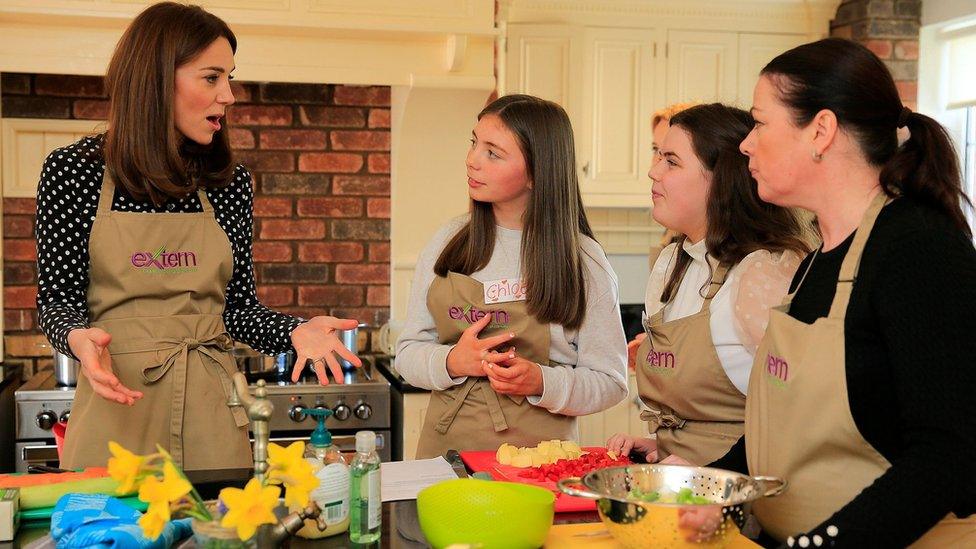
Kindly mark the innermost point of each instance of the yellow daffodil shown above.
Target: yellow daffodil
(154, 519)
(299, 487)
(171, 488)
(285, 462)
(124, 467)
(249, 508)
(289, 467)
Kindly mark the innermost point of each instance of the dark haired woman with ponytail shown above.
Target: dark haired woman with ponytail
(708, 296)
(863, 395)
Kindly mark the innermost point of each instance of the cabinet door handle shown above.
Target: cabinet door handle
(586, 169)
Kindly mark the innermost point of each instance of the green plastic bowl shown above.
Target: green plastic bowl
(503, 515)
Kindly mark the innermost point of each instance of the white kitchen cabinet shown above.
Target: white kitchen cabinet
(414, 411)
(610, 80)
(702, 66)
(595, 429)
(543, 60)
(755, 50)
(709, 66)
(614, 131)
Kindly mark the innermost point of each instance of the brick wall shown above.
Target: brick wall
(320, 159)
(890, 29)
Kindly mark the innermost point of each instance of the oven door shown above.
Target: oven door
(41, 452)
(345, 443)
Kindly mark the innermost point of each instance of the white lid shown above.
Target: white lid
(365, 441)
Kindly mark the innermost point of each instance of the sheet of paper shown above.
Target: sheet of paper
(404, 479)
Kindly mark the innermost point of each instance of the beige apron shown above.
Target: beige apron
(798, 419)
(157, 286)
(471, 416)
(694, 408)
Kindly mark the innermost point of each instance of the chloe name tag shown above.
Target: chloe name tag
(504, 290)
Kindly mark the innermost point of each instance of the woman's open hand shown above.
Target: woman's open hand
(316, 340)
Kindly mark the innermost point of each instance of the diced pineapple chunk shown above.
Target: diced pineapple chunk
(505, 454)
(571, 447)
(547, 451)
(522, 460)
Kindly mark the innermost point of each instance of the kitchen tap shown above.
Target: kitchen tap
(259, 410)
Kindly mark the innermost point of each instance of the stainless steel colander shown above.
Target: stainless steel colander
(636, 523)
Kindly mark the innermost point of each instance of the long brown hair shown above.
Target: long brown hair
(849, 80)
(143, 151)
(739, 222)
(554, 220)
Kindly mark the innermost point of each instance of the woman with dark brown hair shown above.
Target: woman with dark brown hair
(514, 318)
(862, 396)
(144, 256)
(708, 296)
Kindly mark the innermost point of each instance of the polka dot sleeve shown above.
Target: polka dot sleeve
(67, 200)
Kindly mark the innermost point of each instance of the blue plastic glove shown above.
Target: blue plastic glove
(98, 520)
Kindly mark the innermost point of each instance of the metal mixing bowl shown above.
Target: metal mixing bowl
(636, 523)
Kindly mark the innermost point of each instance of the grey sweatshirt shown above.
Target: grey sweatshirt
(591, 363)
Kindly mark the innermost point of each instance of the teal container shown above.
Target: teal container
(502, 515)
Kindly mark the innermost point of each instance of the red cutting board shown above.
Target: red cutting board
(485, 461)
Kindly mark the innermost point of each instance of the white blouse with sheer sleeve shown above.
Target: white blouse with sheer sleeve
(740, 309)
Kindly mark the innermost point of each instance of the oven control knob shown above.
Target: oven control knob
(46, 419)
(65, 415)
(297, 413)
(341, 412)
(363, 411)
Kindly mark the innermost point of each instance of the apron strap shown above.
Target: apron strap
(718, 279)
(663, 417)
(204, 201)
(852, 261)
(788, 299)
(495, 410)
(447, 418)
(107, 193)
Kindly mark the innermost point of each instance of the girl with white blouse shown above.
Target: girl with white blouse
(708, 295)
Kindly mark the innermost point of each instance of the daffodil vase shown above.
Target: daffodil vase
(211, 535)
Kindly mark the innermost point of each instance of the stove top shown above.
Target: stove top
(362, 401)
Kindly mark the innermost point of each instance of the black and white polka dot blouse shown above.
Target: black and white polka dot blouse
(67, 199)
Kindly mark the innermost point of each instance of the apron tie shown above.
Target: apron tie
(461, 392)
(176, 353)
(665, 417)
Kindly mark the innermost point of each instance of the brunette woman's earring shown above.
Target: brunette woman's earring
(817, 157)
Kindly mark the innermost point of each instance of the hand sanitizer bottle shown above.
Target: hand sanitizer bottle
(330, 467)
(366, 504)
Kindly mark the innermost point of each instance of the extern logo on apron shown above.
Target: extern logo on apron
(163, 262)
(660, 362)
(469, 314)
(778, 370)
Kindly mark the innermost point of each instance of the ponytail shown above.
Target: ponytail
(925, 168)
(850, 81)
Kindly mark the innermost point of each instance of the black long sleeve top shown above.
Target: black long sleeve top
(910, 343)
(67, 199)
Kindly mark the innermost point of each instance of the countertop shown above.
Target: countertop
(400, 528)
